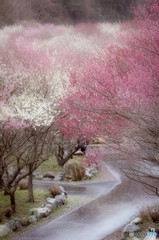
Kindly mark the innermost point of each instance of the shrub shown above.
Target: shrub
(23, 184)
(55, 190)
(150, 214)
(76, 169)
(7, 212)
(93, 157)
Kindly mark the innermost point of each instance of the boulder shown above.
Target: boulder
(49, 206)
(52, 202)
(136, 221)
(130, 228)
(88, 174)
(59, 177)
(25, 221)
(38, 175)
(40, 212)
(61, 199)
(4, 230)
(48, 175)
(63, 190)
(15, 224)
(32, 219)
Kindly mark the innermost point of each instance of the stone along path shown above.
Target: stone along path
(115, 202)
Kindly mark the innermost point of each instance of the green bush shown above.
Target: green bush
(75, 169)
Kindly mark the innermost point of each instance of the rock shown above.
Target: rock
(32, 219)
(63, 190)
(136, 221)
(59, 177)
(130, 228)
(61, 199)
(25, 221)
(48, 175)
(49, 206)
(88, 174)
(94, 172)
(38, 175)
(5, 230)
(93, 169)
(52, 202)
(40, 212)
(15, 224)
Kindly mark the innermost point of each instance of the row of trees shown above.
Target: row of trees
(29, 93)
(116, 93)
(112, 93)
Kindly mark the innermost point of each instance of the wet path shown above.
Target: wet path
(114, 204)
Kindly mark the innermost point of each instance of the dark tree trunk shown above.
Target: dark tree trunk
(30, 188)
(61, 157)
(12, 201)
(6, 193)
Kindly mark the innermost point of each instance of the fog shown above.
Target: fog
(65, 11)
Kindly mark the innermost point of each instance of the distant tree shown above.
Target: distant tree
(60, 11)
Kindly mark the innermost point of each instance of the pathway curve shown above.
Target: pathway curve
(115, 202)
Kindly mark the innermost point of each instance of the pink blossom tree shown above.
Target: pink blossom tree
(116, 92)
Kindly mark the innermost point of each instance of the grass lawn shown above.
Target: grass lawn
(23, 208)
(50, 165)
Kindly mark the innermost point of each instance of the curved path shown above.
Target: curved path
(114, 204)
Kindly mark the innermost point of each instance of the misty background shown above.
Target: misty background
(65, 11)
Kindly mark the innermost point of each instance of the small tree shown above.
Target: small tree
(22, 151)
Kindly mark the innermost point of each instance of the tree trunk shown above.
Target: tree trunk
(30, 188)
(59, 154)
(12, 201)
(6, 193)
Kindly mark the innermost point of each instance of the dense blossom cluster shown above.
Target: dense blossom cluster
(121, 82)
(35, 67)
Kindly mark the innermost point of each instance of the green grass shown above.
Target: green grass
(22, 206)
(50, 165)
